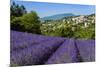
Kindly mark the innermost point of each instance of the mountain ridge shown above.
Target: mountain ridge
(57, 16)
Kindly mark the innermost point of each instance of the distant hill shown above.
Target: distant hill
(57, 16)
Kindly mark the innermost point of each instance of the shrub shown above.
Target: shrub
(27, 23)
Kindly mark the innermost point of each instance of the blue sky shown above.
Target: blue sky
(48, 9)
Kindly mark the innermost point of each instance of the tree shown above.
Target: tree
(85, 33)
(31, 22)
(27, 23)
(16, 24)
(16, 10)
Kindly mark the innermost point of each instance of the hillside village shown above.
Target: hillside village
(72, 23)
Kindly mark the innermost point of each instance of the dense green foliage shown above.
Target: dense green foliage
(16, 10)
(22, 21)
(27, 23)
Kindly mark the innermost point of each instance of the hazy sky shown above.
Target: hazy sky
(48, 9)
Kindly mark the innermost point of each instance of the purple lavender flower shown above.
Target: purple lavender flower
(32, 49)
(20, 40)
(66, 53)
(36, 54)
(86, 49)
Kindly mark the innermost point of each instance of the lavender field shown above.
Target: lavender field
(32, 49)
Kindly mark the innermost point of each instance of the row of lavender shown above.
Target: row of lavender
(32, 49)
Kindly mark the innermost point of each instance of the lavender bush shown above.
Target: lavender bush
(37, 53)
(66, 53)
(20, 40)
(86, 49)
(32, 49)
